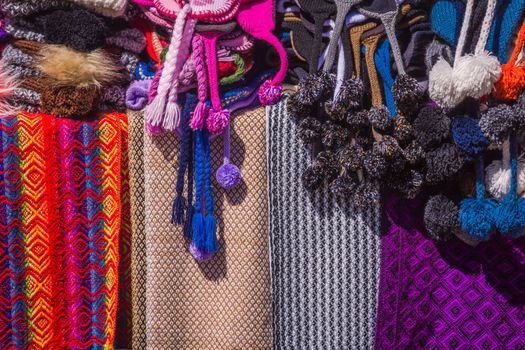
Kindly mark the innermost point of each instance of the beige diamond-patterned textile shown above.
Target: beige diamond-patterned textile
(138, 220)
(223, 304)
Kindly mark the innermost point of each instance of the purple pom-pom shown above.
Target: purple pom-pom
(269, 93)
(218, 121)
(137, 94)
(228, 176)
(199, 254)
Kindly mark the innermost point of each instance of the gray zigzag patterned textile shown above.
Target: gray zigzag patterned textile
(325, 257)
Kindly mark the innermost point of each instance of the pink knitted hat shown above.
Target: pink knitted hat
(256, 18)
(211, 11)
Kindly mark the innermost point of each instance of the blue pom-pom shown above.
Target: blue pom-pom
(510, 217)
(211, 234)
(228, 176)
(469, 137)
(199, 254)
(199, 231)
(477, 217)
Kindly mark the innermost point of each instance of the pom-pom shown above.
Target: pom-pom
(380, 119)
(78, 29)
(431, 127)
(137, 94)
(351, 157)
(349, 98)
(511, 83)
(270, 93)
(510, 217)
(498, 177)
(468, 136)
(327, 161)
(228, 176)
(414, 153)
(475, 75)
(366, 196)
(403, 130)
(442, 86)
(313, 178)
(388, 147)
(296, 109)
(408, 182)
(477, 217)
(218, 121)
(357, 120)
(441, 218)
(315, 87)
(309, 130)
(375, 164)
(497, 122)
(407, 94)
(198, 254)
(343, 186)
(443, 163)
(333, 135)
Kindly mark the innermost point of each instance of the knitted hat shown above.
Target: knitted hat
(256, 18)
(110, 8)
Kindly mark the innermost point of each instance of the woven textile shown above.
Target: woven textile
(138, 221)
(324, 256)
(60, 219)
(450, 295)
(223, 304)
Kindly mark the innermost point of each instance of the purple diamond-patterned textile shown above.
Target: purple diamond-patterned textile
(447, 295)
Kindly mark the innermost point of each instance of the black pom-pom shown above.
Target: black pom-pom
(364, 137)
(366, 196)
(77, 28)
(443, 163)
(409, 182)
(315, 88)
(408, 95)
(333, 135)
(343, 186)
(357, 120)
(375, 164)
(403, 130)
(498, 122)
(388, 147)
(431, 127)
(328, 162)
(441, 218)
(349, 99)
(380, 119)
(351, 157)
(414, 153)
(296, 109)
(313, 178)
(309, 130)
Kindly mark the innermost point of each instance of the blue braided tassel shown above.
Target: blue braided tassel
(211, 226)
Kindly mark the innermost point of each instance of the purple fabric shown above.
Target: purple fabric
(448, 295)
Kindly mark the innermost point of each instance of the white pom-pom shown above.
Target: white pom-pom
(441, 84)
(475, 75)
(497, 179)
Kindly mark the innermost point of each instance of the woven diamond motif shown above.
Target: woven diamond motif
(474, 296)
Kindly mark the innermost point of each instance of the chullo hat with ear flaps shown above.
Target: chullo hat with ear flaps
(109, 8)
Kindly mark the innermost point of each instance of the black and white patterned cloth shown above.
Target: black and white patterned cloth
(324, 256)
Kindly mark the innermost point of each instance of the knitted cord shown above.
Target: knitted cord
(201, 111)
(190, 209)
(463, 33)
(389, 21)
(199, 171)
(226, 145)
(182, 57)
(480, 178)
(154, 112)
(485, 27)
(371, 44)
(518, 47)
(342, 10)
(187, 74)
(207, 175)
(210, 41)
(513, 145)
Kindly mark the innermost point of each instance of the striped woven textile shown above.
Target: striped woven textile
(60, 221)
(324, 256)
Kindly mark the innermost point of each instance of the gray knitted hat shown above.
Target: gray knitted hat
(109, 8)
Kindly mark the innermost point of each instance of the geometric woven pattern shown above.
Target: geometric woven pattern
(325, 256)
(225, 303)
(138, 221)
(448, 295)
(59, 231)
